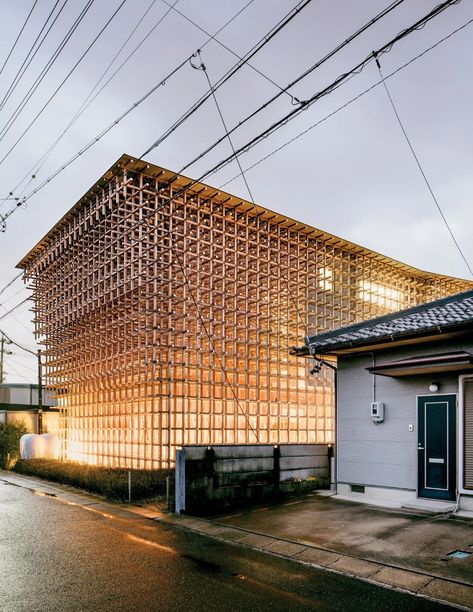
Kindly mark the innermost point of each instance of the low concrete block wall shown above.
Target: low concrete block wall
(232, 474)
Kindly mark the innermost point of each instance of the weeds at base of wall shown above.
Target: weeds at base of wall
(112, 483)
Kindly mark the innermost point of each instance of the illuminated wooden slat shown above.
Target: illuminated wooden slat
(127, 351)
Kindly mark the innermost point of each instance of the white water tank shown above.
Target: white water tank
(51, 446)
(45, 446)
(32, 446)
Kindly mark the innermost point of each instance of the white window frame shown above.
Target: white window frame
(461, 437)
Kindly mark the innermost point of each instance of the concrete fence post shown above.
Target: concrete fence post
(180, 490)
(276, 468)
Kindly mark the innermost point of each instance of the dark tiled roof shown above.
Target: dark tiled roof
(449, 312)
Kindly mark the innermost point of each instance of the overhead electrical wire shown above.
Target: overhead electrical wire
(321, 93)
(19, 35)
(33, 172)
(224, 46)
(68, 75)
(306, 104)
(44, 71)
(6, 314)
(32, 52)
(23, 348)
(10, 297)
(244, 148)
(348, 103)
(136, 104)
(230, 73)
(265, 40)
(10, 283)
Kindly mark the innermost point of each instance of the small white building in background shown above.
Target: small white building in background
(404, 408)
(19, 402)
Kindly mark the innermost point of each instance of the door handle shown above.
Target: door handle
(420, 448)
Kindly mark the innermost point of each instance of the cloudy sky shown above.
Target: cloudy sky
(352, 175)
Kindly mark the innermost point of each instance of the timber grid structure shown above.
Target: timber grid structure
(167, 309)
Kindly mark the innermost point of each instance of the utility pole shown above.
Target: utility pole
(40, 394)
(3, 352)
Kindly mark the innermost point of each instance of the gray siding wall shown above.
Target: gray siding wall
(384, 455)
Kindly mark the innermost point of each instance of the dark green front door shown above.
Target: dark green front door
(436, 448)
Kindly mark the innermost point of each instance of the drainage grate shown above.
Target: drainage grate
(357, 488)
(459, 554)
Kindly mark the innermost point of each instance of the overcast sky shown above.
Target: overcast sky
(353, 175)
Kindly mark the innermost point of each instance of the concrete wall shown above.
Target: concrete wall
(30, 419)
(384, 455)
(235, 473)
(25, 395)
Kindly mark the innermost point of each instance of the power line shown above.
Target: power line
(43, 108)
(334, 85)
(302, 76)
(33, 172)
(348, 103)
(15, 371)
(421, 169)
(22, 69)
(224, 46)
(13, 117)
(230, 73)
(19, 35)
(90, 144)
(23, 348)
(21, 201)
(10, 283)
(384, 49)
(258, 46)
(10, 297)
(3, 316)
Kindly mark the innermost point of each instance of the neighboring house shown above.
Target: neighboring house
(167, 307)
(404, 413)
(19, 402)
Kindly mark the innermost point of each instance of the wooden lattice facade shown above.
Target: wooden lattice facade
(167, 316)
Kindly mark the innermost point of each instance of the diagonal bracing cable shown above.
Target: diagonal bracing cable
(421, 169)
(252, 199)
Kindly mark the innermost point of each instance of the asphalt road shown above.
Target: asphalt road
(58, 557)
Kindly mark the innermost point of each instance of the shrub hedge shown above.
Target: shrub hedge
(10, 434)
(110, 482)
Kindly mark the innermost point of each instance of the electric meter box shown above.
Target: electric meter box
(377, 412)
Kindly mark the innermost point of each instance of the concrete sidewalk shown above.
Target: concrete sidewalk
(399, 550)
